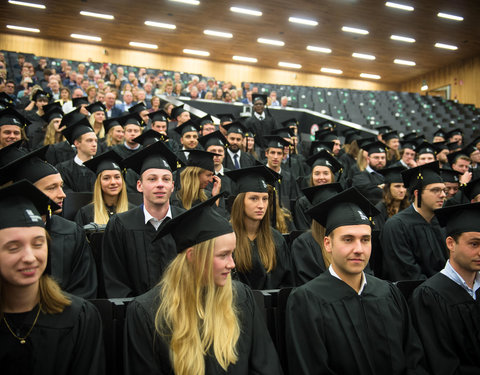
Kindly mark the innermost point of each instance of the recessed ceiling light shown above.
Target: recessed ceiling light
(25, 4)
(220, 34)
(354, 30)
(363, 56)
(161, 25)
(21, 28)
(446, 46)
(303, 21)
(86, 37)
(143, 45)
(271, 42)
(368, 75)
(250, 12)
(330, 70)
(402, 38)
(424, 88)
(97, 15)
(289, 65)
(190, 2)
(196, 52)
(450, 16)
(245, 59)
(319, 49)
(399, 6)
(404, 62)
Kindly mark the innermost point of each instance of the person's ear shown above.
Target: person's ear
(189, 254)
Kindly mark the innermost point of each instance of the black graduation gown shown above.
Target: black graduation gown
(60, 152)
(447, 319)
(132, 264)
(307, 258)
(348, 163)
(281, 276)
(85, 215)
(287, 189)
(413, 249)
(368, 183)
(302, 220)
(295, 165)
(125, 152)
(66, 343)
(246, 160)
(330, 329)
(148, 353)
(76, 178)
(261, 128)
(71, 259)
(382, 217)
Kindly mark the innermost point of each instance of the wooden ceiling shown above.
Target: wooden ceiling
(61, 18)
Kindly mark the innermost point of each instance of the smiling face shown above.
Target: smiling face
(9, 134)
(52, 187)
(111, 182)
(321, 175)
(156, 186)
(223, 262)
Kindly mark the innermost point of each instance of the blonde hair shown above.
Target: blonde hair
(361, 160)
(318, 234)
(91, 120)
(109, 138)
(51, 135)
(195, 315)
(265, 243)
(100, 213)
(190, 187)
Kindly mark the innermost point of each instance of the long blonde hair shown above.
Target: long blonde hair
(361, 160)
(101, 133)
(196, 316)
(51, 135)
(109, 137)
(100, 213)
(265, 243)
(318, 234)
(190, 187)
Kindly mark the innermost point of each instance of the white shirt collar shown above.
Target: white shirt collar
(259, 116)
(362, 285)
(220, 172)
(453, 275)
(77, 160)
(154, 221)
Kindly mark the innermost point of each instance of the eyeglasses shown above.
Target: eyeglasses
(438, 191)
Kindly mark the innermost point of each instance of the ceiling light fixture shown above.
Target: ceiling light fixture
(303, 21)
(86, 37)
(446, 46)
(271, 42)
(25, 4)
(404, 62)
(354, 30)
(196, 52)
(189, 2)
(399, 6)
(319, 49)
(21, 28)
(220, 34)
(250, 12)
(330, 70)
(289, 65)
(97, 15)
(245, 59)
(161, 25)
(402, 38)
(363, 56)
(450, 16)
(143, 45)
(368, 75)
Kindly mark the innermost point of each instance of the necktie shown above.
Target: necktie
(261, 118)
(235, 161)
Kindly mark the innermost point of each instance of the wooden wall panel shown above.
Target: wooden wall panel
(221, 71)
(463, 78)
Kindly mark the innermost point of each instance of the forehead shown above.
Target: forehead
(436, 185)
(156, 172)
(274, 150)
(353, 230)
(377, 155)
(10, 127)
(49, 180)
(190, 134)
(215, 149)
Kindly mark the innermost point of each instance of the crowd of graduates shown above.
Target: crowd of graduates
(228, 208)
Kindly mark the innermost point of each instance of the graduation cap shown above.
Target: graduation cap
(348, 207)
(325, 135)
(317, 146)
(77, 102)
(329, 125)
(149, 137)
(440, 146)
(189, 126)
(6, 100)
(76, 130)
(108, 161)
(213, 139)
(131, 119)
(205, 120)
(11, 152)
(72, 117)
(459, 218)
(320, 193)
(453, 156)
(472, 189)
(10, 116)
(452, 146)
(410, 136)
(261, 97)
(456, 131)
(177, 111)
(158, 156)
(25, 205)
(325, 159)
(421, 176)
(439, 133)
(236, 127)
(201, 159)
(351, 135)
(225, 117)
(449, 175)
(137, 108)
(383, 129)
(392, 175)
(390, 135)
(50, 106)
(286, 132)
(375, 147)
(252, 179)
(110, 123)
(96, 107)
(52, 113)
(40, 94)
(275, 141)
(471, 147)
(199, 224)
(160, 115)
(410, 144)
(291, 122)
(426, 148)
(365, 141)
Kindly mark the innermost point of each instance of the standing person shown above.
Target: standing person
(43, 329)
(261, 122)
(262, 257)
(197, 320)
(132, 265)
(446, 307)
(345, 308)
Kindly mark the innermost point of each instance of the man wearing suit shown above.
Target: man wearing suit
(111, 111)
(261, 122)
(235, 158)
